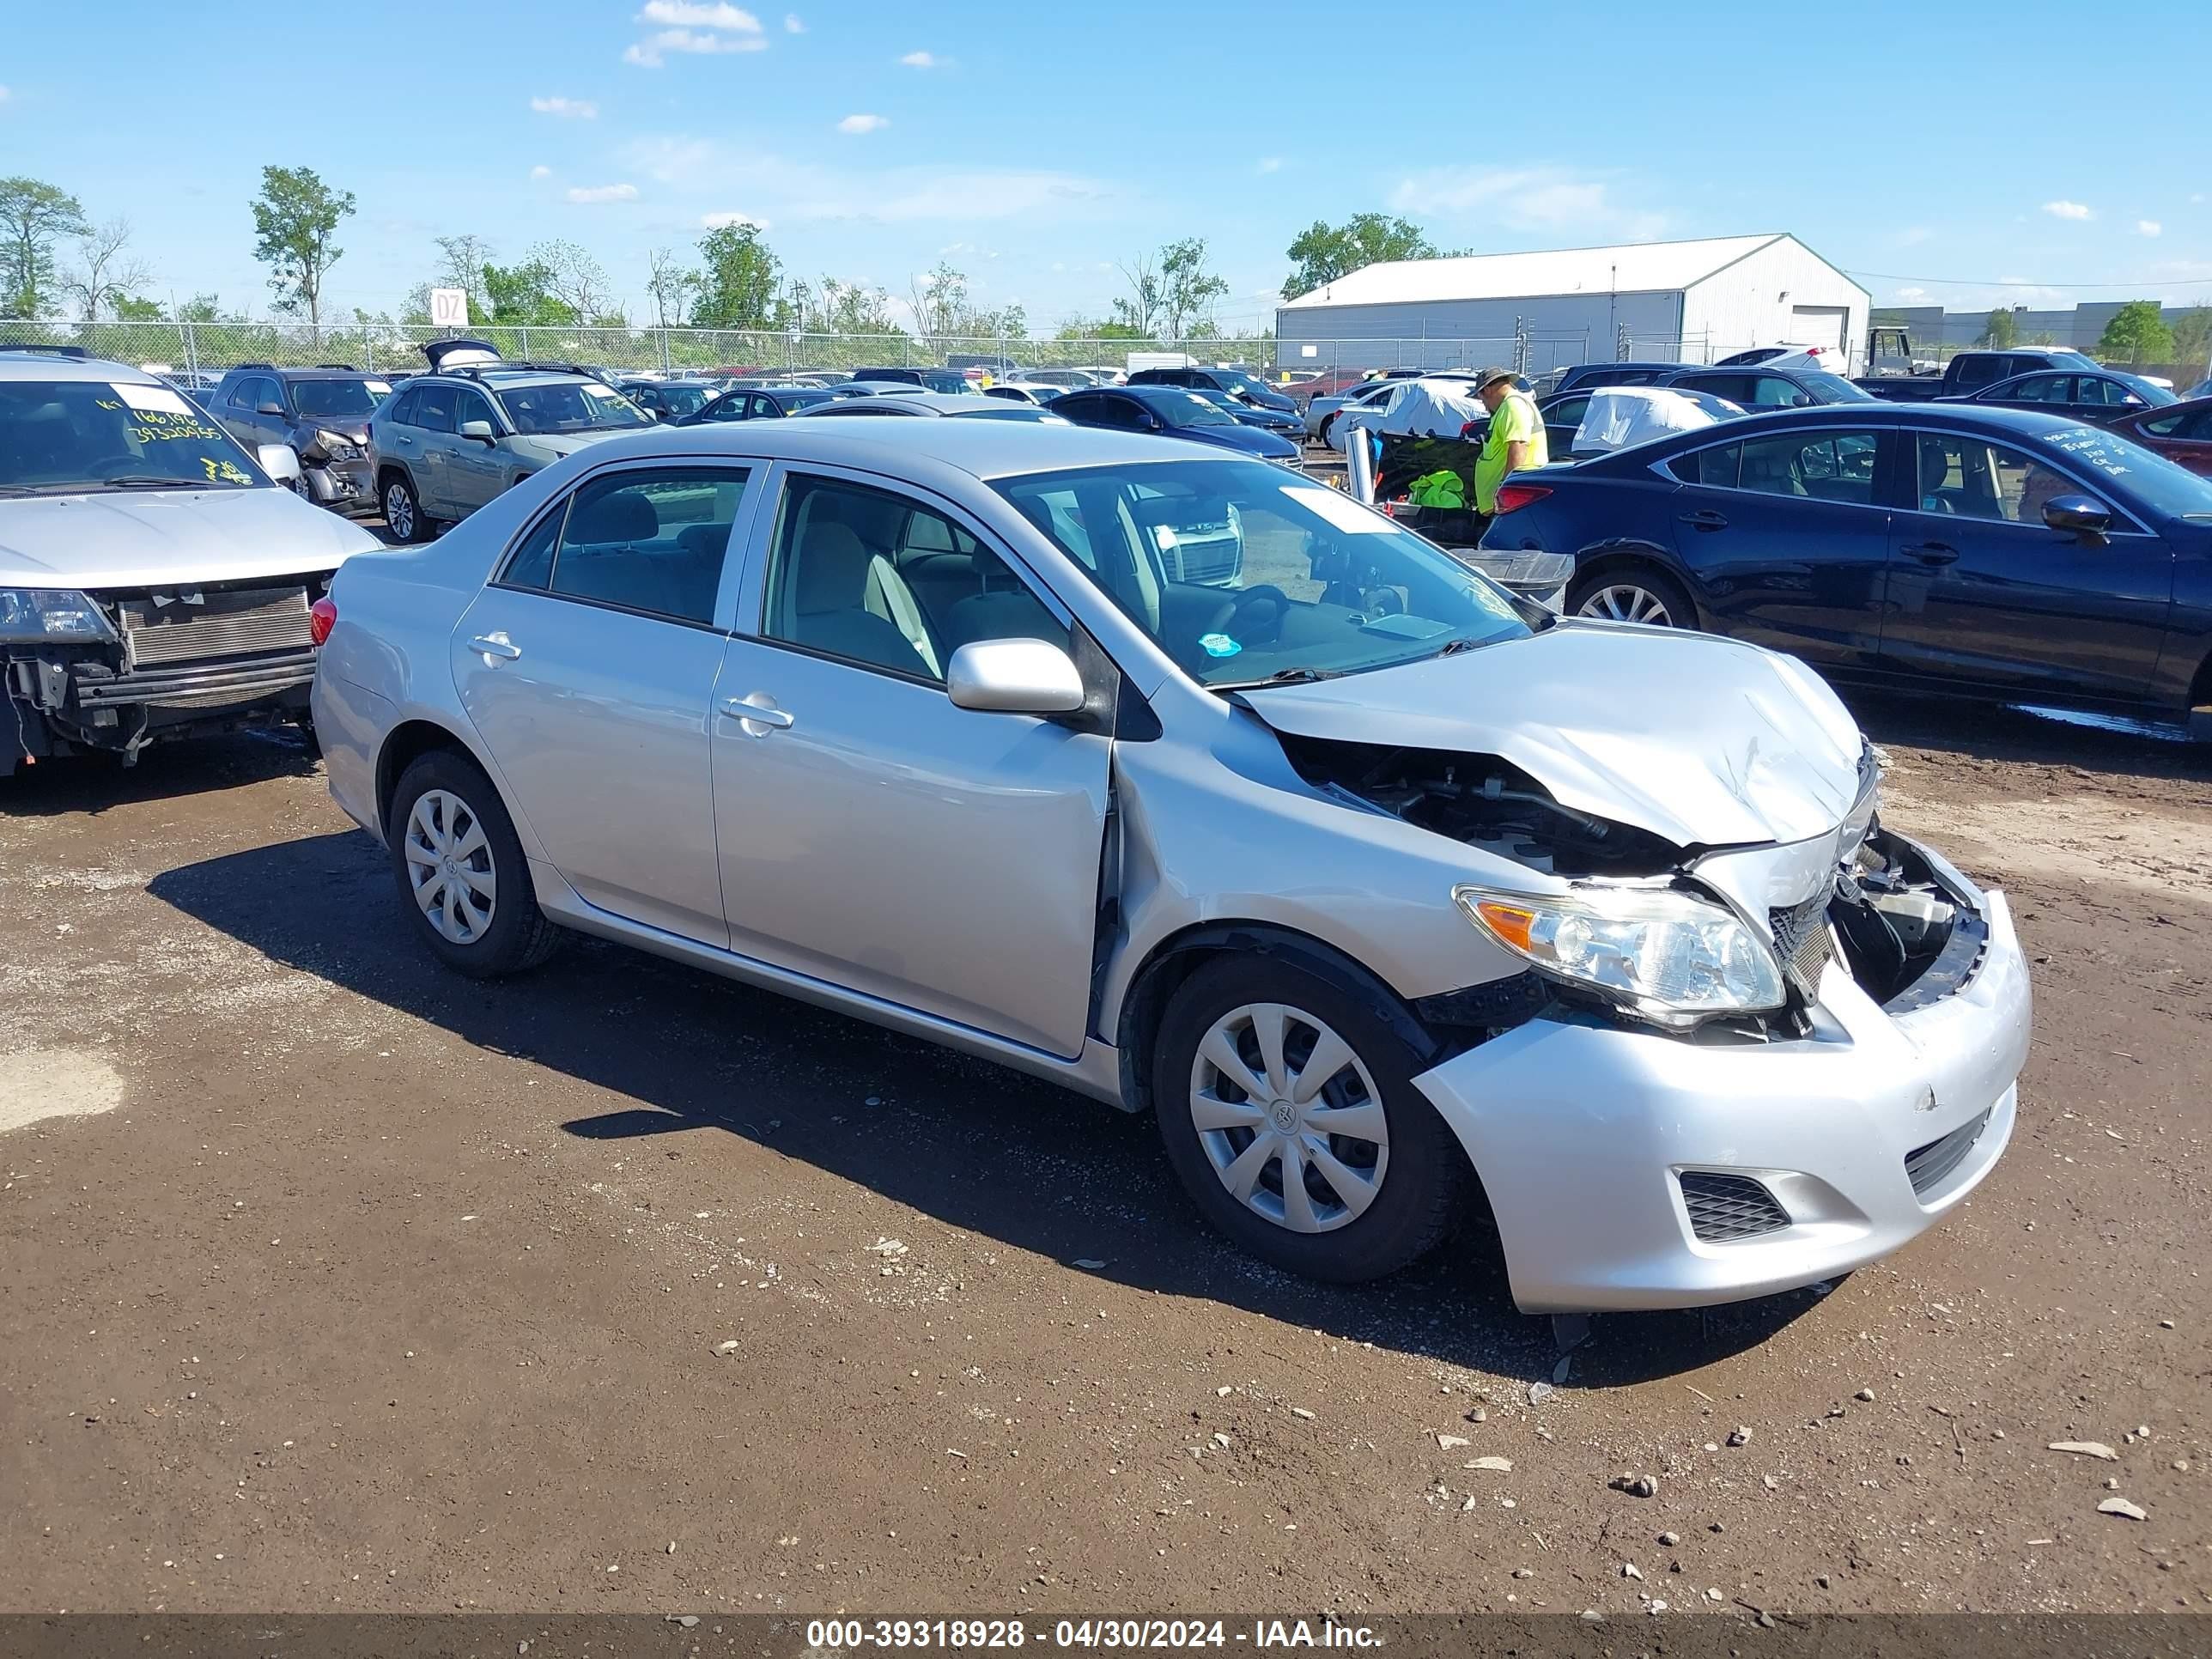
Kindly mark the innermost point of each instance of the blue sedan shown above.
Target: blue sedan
(1941, 547)
(1176, 414)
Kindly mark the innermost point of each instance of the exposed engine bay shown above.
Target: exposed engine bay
(1484, 802)
(1906, 937)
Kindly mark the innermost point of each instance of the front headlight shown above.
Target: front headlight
(40, 615)
(1668, 956)
(337, 445)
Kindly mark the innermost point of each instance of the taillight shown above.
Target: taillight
(322, 616)
(1512, 497)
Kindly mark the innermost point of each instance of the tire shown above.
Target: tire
(403, 511)
(463, 880)
(1328, 430)
(1631, 592)
(1385, 1202)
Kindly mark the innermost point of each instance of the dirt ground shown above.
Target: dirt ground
(328, 1281)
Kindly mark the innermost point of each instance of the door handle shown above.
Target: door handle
(495, 647)
(1704, 520)
(1931, 553)
(402, 438)
(750, 712)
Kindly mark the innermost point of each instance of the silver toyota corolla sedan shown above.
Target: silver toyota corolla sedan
(1387, 895)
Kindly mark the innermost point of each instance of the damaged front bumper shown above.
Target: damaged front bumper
(344, 486)
(1628, 1168)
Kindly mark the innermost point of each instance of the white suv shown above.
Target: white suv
(155, 583)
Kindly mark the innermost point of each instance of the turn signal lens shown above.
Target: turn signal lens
(1509, 921)
(322, 616)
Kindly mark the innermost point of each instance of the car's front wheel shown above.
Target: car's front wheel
(1288, 1109)
(402, 513)
(461, 871)
(1632, 594)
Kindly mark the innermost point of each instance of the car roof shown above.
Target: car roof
(983, 450)
(926, 403)
(502, 380)
(1951, 415)
(53, 366)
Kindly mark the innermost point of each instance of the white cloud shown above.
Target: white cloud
(2065, 209)
(541, 171)
(862, 124)
(1913, 236)
(721, 220)
(595, 195)
(568, 109)
(693, 13)
(2148, 227)
(2015, 282)
(651, 51)
(792, 25)
(1544, 199)
(922, 60)
(1910, 296)
(791, 191)
(1271, 164)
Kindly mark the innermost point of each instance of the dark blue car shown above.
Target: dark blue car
(1175, 412)
(1937, 547)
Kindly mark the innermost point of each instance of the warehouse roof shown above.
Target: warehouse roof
(1635, 267)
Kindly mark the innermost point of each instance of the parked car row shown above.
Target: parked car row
(1958, 547)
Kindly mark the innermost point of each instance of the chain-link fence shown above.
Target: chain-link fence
(203, 348)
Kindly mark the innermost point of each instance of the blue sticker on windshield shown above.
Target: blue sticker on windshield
(1218, 645)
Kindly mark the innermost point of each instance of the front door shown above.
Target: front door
(474, 472)
(588, 666)
(1789, 539)
(1981, 590)
(872, 834)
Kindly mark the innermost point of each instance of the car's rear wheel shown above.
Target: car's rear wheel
(1632, 594)
(1328, 430)
(461, 871)
(1288, 1109)
(402, 513)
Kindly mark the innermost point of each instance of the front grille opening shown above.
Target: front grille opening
(1928, 1167)
(1726, 1207)
(1805, 944)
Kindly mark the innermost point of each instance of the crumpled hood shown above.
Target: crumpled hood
(163, 538)
(1705, 741)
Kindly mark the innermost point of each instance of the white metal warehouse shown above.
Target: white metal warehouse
(1694, 301)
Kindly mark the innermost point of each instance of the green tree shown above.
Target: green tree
(201, 308)
(833, 306)
(521, 296)
(1188, 289)
(294, 218)
(578, 281)
(461, 262)
(2138, 333)
(130, 310)
(670, 287)
(33, 215)
(2000, 330)
(740, 281)
(1322, 252)
(2192, 337)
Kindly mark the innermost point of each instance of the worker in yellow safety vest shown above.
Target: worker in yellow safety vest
(1515, 439)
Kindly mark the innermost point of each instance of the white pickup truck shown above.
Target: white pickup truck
(155, 582)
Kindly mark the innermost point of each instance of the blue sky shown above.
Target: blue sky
(1035, 145)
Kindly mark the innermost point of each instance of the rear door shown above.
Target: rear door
(588, 665)
(1789, 537)
(432, 430)
(1982, 591)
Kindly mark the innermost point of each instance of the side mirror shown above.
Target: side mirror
(279, 462)
(268, 409)
(2078, 515)
(478, 432)
(1014, 677)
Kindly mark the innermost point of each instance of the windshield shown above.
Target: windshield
(1244, 575)
(686, 399)
(338, 400)
(945, 380)
(2157, 396)
(1246, 383)
(1833, 388)
(2162, 485)
(570, 406)
(1189, 409)
(69, 435)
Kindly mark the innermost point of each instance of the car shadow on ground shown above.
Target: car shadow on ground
(681, 1053)
(1996, 733)
(94, 783)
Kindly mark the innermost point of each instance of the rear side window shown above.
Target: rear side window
(530, 564)
(434, 409)
(651, 540)
(1986, 371)
(1716, 468)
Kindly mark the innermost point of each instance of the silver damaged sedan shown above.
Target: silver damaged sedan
(1191, 784)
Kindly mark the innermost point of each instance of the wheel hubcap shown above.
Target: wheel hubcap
(449, 866)
(1289, 1117)
(399, 511)
(1626, 601)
